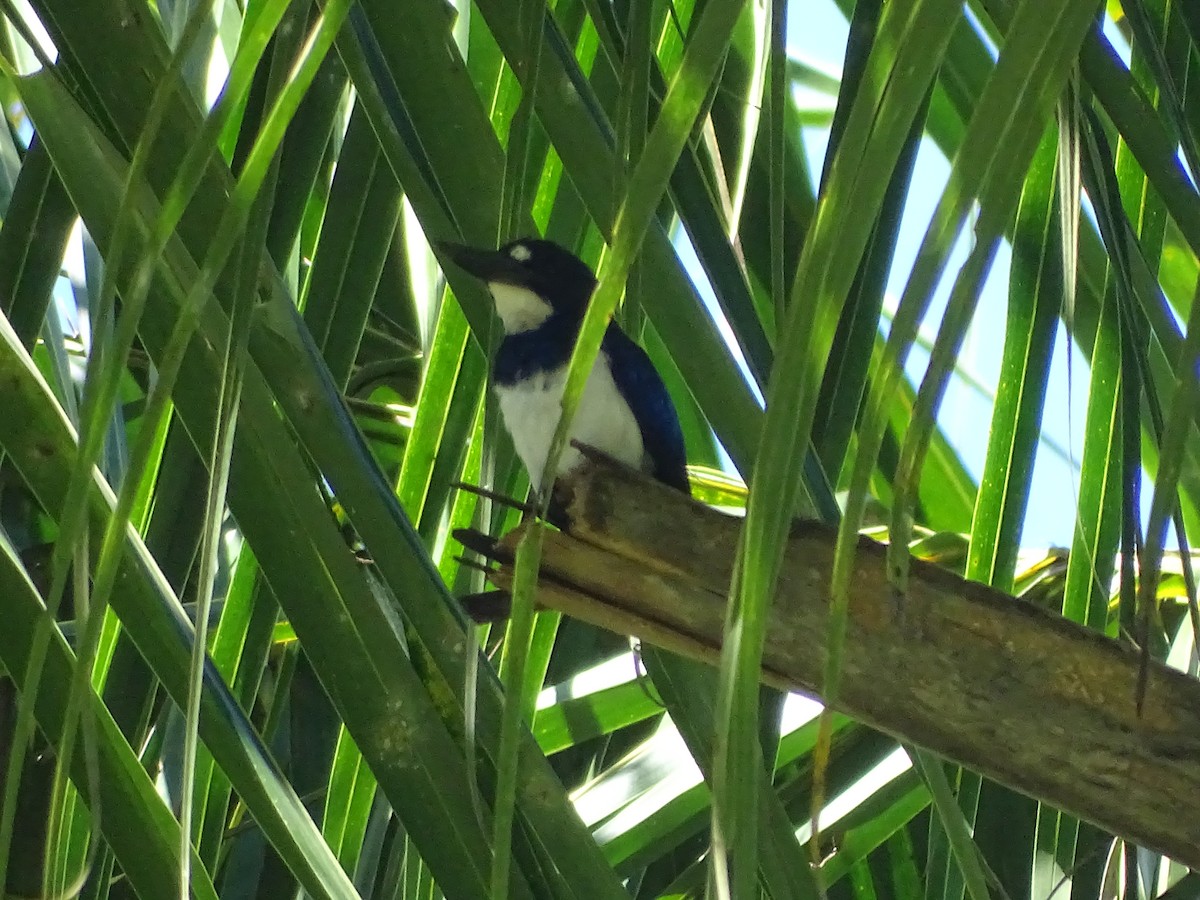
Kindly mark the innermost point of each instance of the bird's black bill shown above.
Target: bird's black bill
(487, 607)
(483, 544)
(487, 265)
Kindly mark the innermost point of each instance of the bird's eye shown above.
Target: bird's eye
(520, 253)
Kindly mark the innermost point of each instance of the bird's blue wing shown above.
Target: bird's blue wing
(644, 391)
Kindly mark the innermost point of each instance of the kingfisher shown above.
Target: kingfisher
(541, 292)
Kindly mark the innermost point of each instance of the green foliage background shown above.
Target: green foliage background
(239, 426)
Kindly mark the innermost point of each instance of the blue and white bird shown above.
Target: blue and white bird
(541, 292)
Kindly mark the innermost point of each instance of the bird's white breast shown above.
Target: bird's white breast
(532, 408)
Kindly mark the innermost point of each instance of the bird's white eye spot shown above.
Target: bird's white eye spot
(520, 253)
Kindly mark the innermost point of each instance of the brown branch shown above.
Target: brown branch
(1023, 696)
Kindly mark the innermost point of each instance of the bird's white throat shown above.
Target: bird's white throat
(532, 408)
(520, 309)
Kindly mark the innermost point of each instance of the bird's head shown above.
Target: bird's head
(530, 279)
